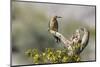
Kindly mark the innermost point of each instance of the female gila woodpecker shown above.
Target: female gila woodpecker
(53, 25)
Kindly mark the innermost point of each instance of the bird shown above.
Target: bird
(53, 25)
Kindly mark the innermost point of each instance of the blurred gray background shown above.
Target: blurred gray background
(30, 27)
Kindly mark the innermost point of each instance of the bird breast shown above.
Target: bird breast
(54, 25)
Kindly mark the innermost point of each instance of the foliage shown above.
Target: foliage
(51, 55)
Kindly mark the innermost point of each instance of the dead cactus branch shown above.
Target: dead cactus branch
(81, 42)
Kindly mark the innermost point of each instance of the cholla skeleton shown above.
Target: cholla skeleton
(82, 41)
(76, 37)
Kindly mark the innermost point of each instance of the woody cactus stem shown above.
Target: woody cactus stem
(85, 38)
(64, 40)
(68, 43)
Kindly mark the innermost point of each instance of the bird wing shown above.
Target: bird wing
(56, 25)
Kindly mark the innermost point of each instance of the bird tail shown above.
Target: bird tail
(57, 39)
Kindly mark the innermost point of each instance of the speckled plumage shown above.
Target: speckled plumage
(53, 25)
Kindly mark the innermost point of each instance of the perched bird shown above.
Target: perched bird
(53, 25)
